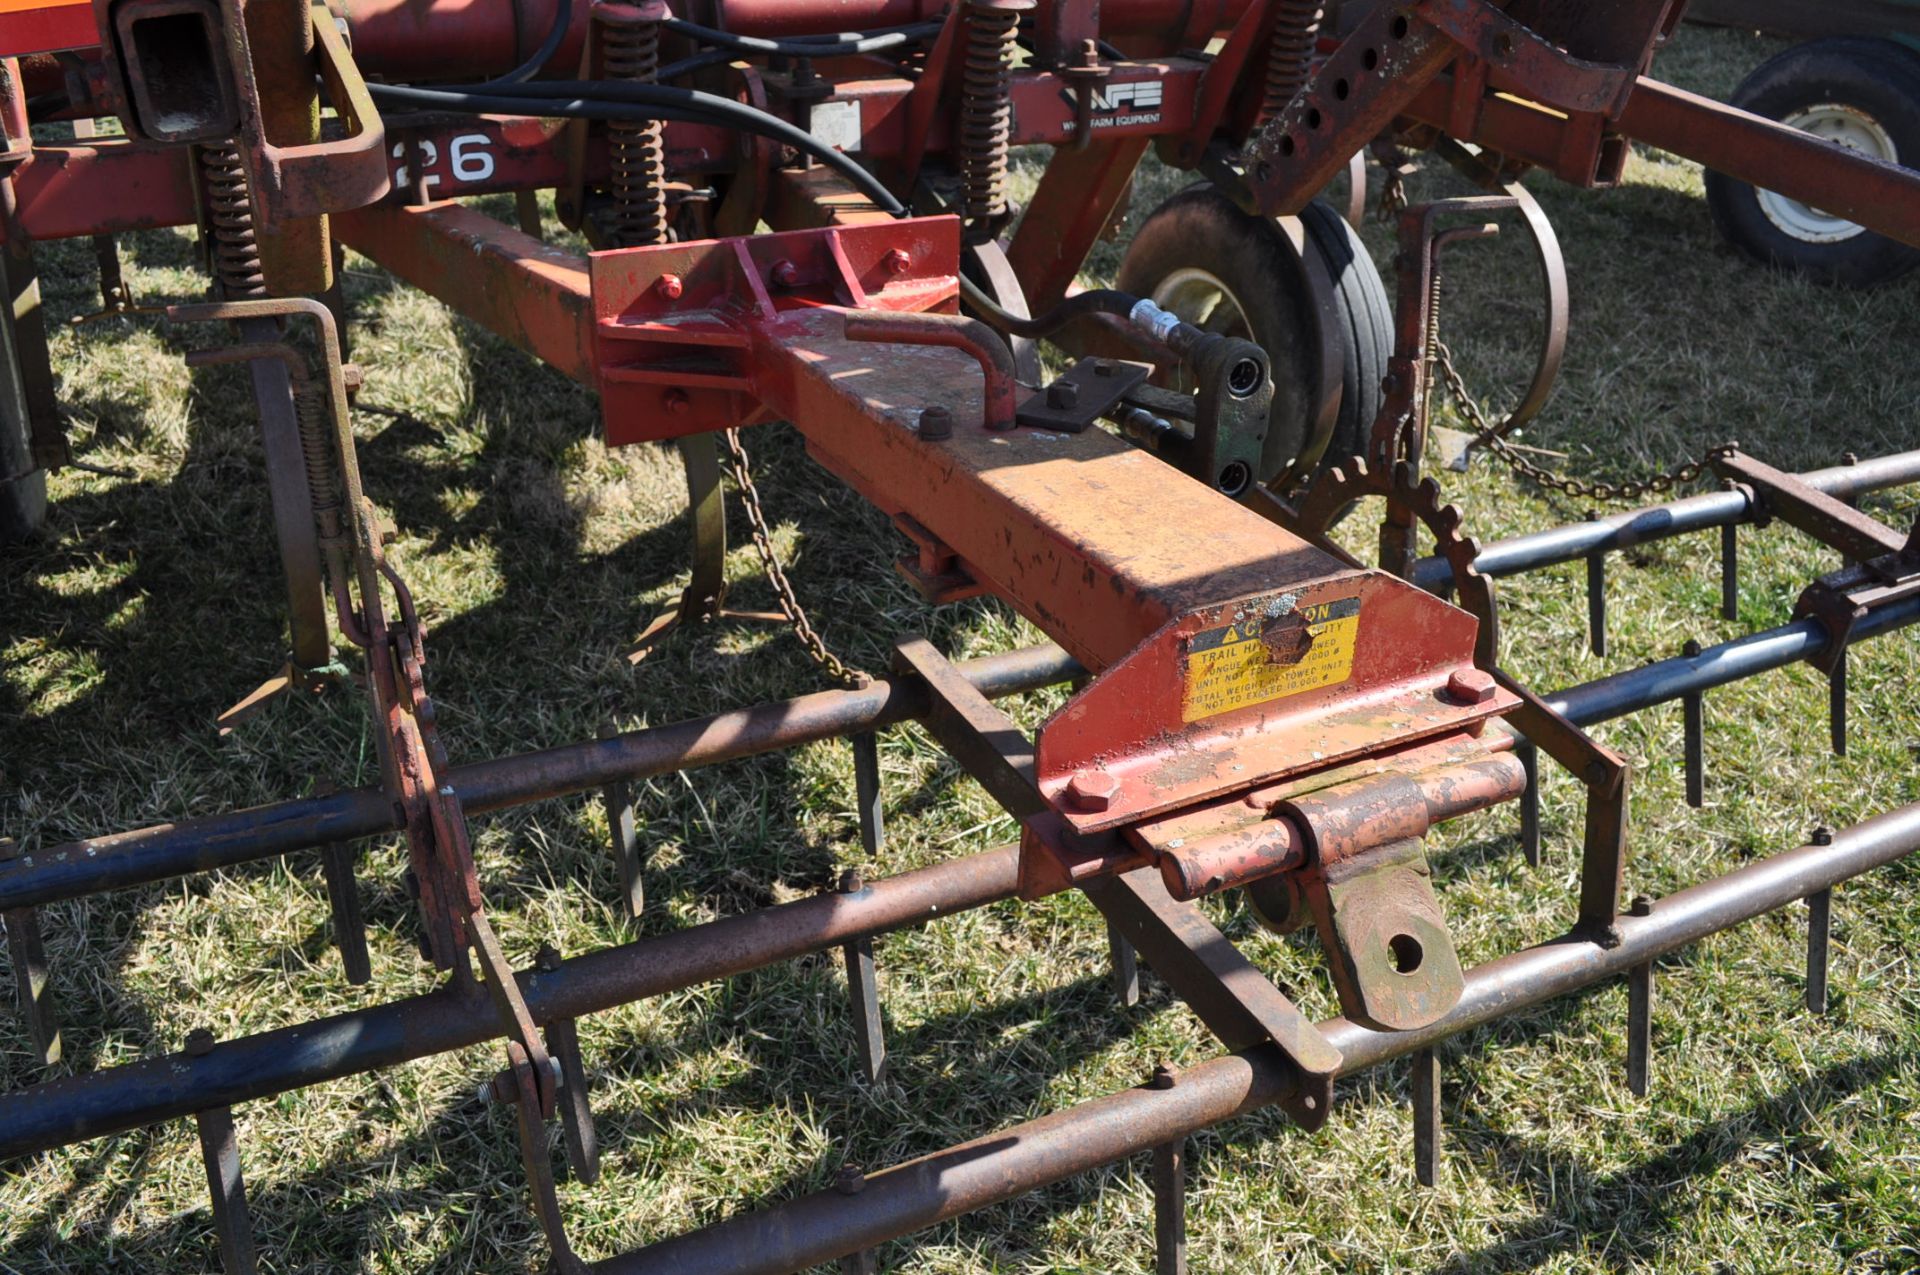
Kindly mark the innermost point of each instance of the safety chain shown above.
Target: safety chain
(1488, 435)
(836, 668)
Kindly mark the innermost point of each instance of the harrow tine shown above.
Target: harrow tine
(851, 1181)
(32, 979)
(227, 1189)
(1169, 1194)
(1837, 704)
(1530, 803)
(863, 989)
(866, 788)
(338, 860)
(1639, 1012)
(1426, 1116)
(1694, 709)
(1126, 967)
(1596, 599)
(1819, 927)
(618, 796)
(1730, 571)
(576, 1113)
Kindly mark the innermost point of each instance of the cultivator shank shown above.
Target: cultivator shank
(1253, 708)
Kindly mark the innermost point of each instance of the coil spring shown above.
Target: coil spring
(986, 110)
(1296, 26)
(631, 51)
(236, 250)
(323, 487)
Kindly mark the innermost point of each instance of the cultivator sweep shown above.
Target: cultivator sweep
(1253, 709)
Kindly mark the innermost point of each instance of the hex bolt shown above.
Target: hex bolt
(1164, 1077)
(1062, 395)
(851, 882)
(899, 261)
(670, 287)
(1103, 367)
(936, 423)
(784, 274)
(200, 1042)
(1470, 686)
(1822, 836)
(850, 1180)
(1092, 790)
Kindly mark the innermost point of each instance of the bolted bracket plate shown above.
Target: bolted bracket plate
(1087, 391)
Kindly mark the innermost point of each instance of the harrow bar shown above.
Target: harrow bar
(164, 851)
(1736, 506)
(915, 1195)
(1253, 707)
(922, 1192)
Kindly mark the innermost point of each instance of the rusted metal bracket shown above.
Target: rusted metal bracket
(1859, 536)
(987, 743)
(1236, 1001)
(1884, 567)
(1603, 861)
(1371, 894)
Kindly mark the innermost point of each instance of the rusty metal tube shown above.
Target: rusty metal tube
(920, 1193)
(970, 336)
(1578, 540)
(1882, 197)
(169, 850)
(121, 1098)
(1209, 865)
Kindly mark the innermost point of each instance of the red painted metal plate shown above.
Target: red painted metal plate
(28, 27)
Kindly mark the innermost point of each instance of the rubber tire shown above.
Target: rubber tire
(1878, 77)
(1201, 229)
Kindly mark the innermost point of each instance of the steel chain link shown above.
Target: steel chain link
(1488, 435)
(816, 646)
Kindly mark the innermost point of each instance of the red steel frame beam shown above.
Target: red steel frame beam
(59, 185)
(533, 294)
(1066, 527)
(409, 38)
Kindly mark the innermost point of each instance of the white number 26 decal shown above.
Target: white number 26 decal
(470, 157)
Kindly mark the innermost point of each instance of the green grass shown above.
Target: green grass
(1772, 1140)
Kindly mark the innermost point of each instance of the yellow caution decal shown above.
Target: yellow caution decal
(1268, 654)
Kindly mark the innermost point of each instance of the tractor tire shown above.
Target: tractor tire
(1860, 92)
(1235, 273)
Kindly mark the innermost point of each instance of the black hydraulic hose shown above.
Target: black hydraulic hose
(619, 99)
(699, 61)
(562, 20)
(1078, 306)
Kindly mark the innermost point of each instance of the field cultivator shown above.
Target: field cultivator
(799, 211)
